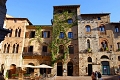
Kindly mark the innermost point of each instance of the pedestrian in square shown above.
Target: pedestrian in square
(93, 76)
(99, 76)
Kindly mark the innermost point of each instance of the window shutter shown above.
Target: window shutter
(42, 33)
(48, 34)
(27, 34)
(25, 49)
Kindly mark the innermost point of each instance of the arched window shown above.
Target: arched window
(71, 49)
(19, 32)
(116, 29)
(102, 28)
(87, 28)
(88, 44)
(104, 57)
(13, 49)
(61, 49)
(8, 48)
(10, 34)
(4, 51)
(16, 32)
(104, 45)
(17, 47)
(89, 59)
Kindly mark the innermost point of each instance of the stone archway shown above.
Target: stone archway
(2, 68)
(59, 69)
(105, 65)
(30, 70)
(70, 69)
(89, 66)
(105, 68)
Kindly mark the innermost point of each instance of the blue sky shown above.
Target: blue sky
(40, 12)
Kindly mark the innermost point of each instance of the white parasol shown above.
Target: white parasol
(41, 66)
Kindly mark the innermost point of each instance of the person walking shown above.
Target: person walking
(96, 75)
(93, 76)
(99, 76)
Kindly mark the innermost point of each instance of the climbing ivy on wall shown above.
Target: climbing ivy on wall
(60, 24)
(38, 35)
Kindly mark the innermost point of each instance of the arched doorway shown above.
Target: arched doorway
(42, 70)
(89, 66)
(2, 68)
(105, 66)
(59, 69)
(30, 70)
(70, 69)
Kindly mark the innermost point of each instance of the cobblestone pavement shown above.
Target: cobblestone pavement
(115, 77)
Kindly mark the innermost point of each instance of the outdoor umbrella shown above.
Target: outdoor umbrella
(41, 66)
(27, 66)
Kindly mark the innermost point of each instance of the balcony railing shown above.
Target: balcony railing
(36, 54)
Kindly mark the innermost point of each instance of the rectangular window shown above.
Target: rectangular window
(99, 18)
(102, 29)
(30, 49)
(87, 28)
(45, 34)
(32, 34)
(70, 34)
(118, 44)
(44, 49)
(70, 21)
(61, 35)
(71, 50)
(61, 49)
(116, 29)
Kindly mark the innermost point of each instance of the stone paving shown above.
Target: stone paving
(115, 77)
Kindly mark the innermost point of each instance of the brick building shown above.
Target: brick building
(93, 43)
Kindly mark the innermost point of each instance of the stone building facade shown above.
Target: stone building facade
(95, 44)
(12, 46)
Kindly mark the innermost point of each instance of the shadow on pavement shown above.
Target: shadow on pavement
(112, 78)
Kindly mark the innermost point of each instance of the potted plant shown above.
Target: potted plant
(106, 48)
(14, 76)
(26, 75)
(89, 50)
